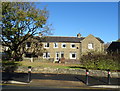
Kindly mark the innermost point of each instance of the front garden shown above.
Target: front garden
(91, 61)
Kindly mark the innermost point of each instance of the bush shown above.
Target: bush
(101, 61)
(9, 66)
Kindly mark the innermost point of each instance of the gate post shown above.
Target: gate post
(108, 78)
(29, 73)
(87, 73)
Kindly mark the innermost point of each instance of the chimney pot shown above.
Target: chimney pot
(78, 35)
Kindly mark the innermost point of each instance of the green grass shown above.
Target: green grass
(51, 65)
(48, 64)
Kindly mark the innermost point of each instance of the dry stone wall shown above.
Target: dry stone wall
(99, 73)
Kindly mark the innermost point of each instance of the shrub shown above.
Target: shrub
(101, 61)
(9, 65)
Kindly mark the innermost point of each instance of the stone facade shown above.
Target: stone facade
(90, 39)
(70, 47)
(98, 73)
(67, 50)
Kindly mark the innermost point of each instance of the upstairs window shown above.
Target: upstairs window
(28, 44)
(63, 45)
(73, 45)
(90, 46)
(55, 45)
(47, 45)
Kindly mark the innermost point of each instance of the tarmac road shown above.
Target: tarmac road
(38, 79)
(14, 87)
(63, 77)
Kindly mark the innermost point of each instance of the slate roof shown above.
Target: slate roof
(114, 46)
(64, 39)
(100, 40)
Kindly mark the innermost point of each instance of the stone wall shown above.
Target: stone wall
(97, 45)
(99, 73)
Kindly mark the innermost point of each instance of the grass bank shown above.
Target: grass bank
(51, 65)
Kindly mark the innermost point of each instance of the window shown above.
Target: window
(73, 45)
(90, 46)
(72, 55)
(63, 45)
(55, 45)
(28, 44)
(46, 55)
(47, 45)
(62, 54)
(57, 56)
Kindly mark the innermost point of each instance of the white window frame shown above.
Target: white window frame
(55, 44)
(90, 46)
(46, 55)
(71, 55)
(45, 45)
(63, 44)
(72, 44)
(61, 54)
(57, 56)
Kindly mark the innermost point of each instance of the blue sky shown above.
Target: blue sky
(70, 18)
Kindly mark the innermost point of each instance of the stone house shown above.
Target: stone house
(73, 48)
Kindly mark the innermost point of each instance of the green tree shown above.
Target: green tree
(20, 21)
(118, 40)
(36, 47)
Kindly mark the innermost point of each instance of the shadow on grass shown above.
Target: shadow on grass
(9, 65)
(77, 67)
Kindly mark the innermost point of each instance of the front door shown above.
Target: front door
(57, 55)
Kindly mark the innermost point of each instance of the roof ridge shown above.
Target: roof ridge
(55, 36)
(64, 36)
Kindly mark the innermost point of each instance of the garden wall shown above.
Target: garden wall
(99, 73)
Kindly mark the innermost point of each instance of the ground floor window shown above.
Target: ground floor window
(62, 54)
(72, 55)
(46, 55)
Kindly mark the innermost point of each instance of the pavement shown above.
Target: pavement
(59, 84)
(56, 83)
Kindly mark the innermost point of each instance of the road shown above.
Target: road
(14, 87)
(22, 77)
(65, 77)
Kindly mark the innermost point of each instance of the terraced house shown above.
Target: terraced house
(58, 47)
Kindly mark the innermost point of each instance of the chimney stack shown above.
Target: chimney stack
(78, 35)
